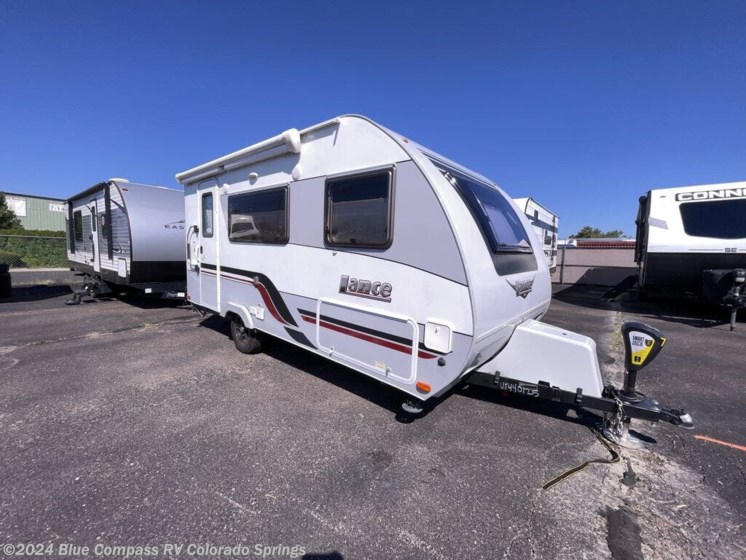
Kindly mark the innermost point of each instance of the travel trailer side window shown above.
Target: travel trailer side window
(718, 219)
(258, 217)
(78, 225)
(358, 210)
(207, 215)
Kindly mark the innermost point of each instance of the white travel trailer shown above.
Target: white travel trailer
(545, 225)
(126, 236)
(693, 240)
(364, 247)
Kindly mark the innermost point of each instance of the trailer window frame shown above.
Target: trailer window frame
(347, 181)
(285, 212)
(208, 232)
(78, 225)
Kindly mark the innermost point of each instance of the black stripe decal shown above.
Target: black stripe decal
(380, 334)
(208, 266)
(299, 337)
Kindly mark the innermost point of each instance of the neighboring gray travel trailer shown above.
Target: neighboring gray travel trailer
(545, 225)
(127, 236)
(693, 240)
(356, 243)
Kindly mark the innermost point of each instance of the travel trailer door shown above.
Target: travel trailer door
(96, 261)
(207, 253)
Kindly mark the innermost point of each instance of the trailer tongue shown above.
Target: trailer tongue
(527, 366)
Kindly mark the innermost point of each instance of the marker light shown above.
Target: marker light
(424, 387)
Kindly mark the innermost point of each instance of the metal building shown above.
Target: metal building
(37, 212)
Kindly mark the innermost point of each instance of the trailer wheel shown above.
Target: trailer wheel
(245, 340)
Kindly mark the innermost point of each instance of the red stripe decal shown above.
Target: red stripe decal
(239, 280)
(262, 291)
(268, 302)
(370, 338)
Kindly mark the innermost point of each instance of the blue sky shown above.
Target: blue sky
(582, 105)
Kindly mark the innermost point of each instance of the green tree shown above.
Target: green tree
(588, 231)
(8, 219)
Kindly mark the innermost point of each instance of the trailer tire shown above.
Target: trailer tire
(245, 341)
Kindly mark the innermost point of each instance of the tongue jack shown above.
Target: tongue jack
(642, 343)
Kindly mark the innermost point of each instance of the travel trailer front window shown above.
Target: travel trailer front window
(493, 212)
(503, 232)
(258, 217)
(358, 211)
(207, 215)
(78, 225)
(719, 219)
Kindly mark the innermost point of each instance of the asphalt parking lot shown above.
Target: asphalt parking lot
(128, 423)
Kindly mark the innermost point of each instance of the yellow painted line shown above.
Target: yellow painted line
(725, 443)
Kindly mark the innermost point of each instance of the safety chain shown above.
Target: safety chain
(614, 424)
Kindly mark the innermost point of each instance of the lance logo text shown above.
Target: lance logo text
(365, 288)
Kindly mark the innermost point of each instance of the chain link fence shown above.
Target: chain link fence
(26, 251)
(594, 266)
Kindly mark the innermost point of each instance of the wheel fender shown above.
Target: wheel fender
(242, 312)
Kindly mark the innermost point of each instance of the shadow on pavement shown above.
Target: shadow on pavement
(559, 411)
(584, 296)
(689, 312)
(361, 385)
(624, 296)
(36, 293)
(390, 398)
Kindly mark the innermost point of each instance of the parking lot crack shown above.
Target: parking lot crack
(623, 534)
(235, 504)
